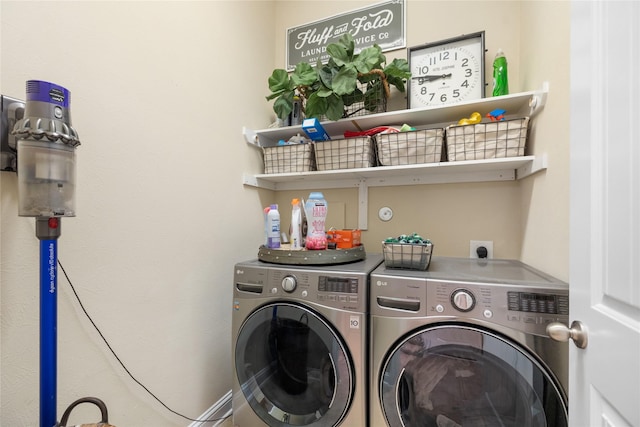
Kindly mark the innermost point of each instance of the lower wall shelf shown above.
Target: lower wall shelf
(505, 169)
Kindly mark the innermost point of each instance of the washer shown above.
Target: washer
(300, 344)
(465, 344)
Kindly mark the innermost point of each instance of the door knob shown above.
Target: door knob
(560, 332)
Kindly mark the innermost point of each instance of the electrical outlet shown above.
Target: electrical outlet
(475, 244)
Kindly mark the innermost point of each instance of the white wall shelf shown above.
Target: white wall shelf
(516, 105)
(505, 169)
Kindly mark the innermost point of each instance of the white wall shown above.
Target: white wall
(160, 92)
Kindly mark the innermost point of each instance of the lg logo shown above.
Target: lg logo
(381, 283)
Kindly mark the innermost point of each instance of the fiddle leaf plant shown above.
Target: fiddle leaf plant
(328, 89)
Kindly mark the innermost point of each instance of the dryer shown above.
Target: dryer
(300, 344)
(465, 344)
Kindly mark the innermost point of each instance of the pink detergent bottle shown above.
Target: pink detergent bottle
(316, 210)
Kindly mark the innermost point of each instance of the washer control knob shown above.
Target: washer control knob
(463, 300)
(289, 284)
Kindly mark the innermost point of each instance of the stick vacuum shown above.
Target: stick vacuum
(46, 190)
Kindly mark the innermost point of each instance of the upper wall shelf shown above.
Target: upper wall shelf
(517, 105)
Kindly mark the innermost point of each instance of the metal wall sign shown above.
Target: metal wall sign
(383, 24)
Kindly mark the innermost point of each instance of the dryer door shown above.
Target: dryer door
(461, 375)
(293, 367)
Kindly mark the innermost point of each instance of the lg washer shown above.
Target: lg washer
(300, 344)
(465, 344)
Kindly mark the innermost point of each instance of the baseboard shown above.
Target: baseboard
(217, 413)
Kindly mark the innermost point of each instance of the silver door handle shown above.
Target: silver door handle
(560, 332)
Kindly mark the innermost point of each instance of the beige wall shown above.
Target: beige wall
(527, 219)
(160, 92)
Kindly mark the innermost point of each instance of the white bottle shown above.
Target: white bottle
(296, 225)
(316, 209)
(266, 226)
(273, 227)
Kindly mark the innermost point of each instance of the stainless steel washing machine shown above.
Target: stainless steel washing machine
(465, 344)
(300, 344)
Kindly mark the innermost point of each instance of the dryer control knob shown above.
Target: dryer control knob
(463, 300)
(289, 284)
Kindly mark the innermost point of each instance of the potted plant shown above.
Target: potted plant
(347, 78)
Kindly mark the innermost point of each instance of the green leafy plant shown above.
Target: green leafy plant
(328, 89)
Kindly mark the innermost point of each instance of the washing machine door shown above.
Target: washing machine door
(293, 367)
(455, 375)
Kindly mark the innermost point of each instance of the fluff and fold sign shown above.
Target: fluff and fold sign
(382, 24)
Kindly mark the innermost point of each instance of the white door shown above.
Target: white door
(604, 379)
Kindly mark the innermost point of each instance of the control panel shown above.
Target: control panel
(344, 285)
(533, 302)
(524, 308)
(339, 290)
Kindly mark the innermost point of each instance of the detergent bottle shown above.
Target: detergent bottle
(273, 227)
(296, 225)
(500, 78)
(316, 210)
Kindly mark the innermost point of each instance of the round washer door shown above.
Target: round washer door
(460, 375)
(293, 368)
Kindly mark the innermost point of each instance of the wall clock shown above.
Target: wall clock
(447, 71)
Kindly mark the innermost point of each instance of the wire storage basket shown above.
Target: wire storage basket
(369, 97)
(407, 255)
(289, 158)
(348, 153)
(406, 148)
(506, 138)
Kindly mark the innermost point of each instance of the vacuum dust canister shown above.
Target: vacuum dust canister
(46, 152)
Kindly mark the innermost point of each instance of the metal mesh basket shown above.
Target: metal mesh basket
(289, 158)
(406, 148)
(369, 98)
(407, 255)
(493, 140)
(347, 153)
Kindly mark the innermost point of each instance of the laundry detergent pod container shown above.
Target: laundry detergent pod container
(46, 153)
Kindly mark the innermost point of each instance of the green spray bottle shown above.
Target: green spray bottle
(500, 80)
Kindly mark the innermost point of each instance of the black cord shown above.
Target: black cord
(120, 361)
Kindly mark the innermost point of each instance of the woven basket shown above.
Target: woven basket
(349, 153)
(492, 140)
(288, 158)
(406, 148)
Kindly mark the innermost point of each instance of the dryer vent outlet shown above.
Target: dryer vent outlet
(481, 249)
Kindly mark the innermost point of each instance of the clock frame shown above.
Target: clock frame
(447, 71)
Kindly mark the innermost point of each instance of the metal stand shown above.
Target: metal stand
(48, 231)
(308, 257)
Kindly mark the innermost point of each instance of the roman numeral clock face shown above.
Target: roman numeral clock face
(447, 72)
